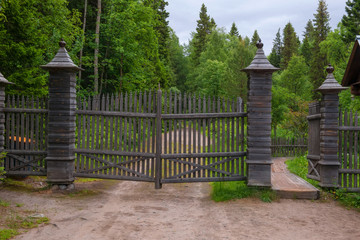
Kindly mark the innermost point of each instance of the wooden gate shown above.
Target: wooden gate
(314, 141)
(25, 135)
(161, 138)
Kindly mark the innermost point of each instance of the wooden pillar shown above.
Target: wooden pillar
(329, 123)
(61, 118)
(259, 120)
(3, 83)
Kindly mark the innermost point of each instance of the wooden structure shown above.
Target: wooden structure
(259, 119)
(324, 133)
(160, 137)
(288, 147)
(61, 124)
(352, 73)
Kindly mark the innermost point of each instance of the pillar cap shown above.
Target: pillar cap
(62, 60)
(3, 80)
(330, 85)
(260, 62)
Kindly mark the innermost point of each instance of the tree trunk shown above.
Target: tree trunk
(97, 43)
(84, 25)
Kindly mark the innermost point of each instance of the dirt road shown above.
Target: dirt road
(133, 210)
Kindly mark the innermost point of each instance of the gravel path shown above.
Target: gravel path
(135, 210)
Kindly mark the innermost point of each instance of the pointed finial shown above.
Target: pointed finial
(62, 43)
(330, 69)
(259, 44)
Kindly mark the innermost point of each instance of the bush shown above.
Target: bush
(2, 157)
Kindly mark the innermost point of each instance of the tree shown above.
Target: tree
(351, 21)
(321, 30)
(234, 31)
(29, 34)
(97, 45)
(205, 26)
(255, 38)
(309, 31)
(276, 52)
(290, 46)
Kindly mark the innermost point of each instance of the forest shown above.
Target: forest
(128, 45)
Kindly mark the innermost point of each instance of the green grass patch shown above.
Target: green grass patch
(7, 233)
(15, 220)
(299, 166)
(224, 191)
(85, 180)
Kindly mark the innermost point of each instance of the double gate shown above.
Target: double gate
(149, 136)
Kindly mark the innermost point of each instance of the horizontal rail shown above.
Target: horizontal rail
(25, 173)
(297, 146)
(203, 115)
(25, 152)
(203, 155)
(210, 179)
(118, 177)
(314, 117)
(116, 153)
(351, 171)
(115, 114)
(348, 128)
(25, 110)
(313, 157)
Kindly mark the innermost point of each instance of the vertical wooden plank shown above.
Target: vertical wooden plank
(345, 148)
(158, 169)
(209, 131)
(149, 161)
(168, 165)
(184, 166)
(176, 140)
(356, 142)
(139, 163)
(237, 135)
(194, 134)
(155, 109)
(204, 161)
(218, 136)
(351, 146)
(179, 165)
(122, 133)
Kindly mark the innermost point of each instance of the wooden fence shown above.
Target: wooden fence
(349, 151)
(25, 135)
(158, 137)
(288, 147)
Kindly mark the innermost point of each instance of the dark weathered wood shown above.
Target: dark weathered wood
(158, 167)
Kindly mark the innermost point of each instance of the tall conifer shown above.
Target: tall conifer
(321, 30)
(351, 21)
(275, 55)
(291, 45)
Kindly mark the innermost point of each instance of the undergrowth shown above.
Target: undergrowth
(223, 191)
(299, 166)
(15, 220)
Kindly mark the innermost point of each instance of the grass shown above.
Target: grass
(15, 220)
(224, 191)
(299, 166)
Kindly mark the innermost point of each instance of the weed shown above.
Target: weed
(4, 204)
(7, 233)
(223, 191)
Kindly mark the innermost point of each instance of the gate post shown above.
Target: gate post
(3, 83)
(329, 123)
(158, 166)
(259, 119)
(61, 118)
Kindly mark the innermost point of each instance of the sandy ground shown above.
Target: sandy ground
(135, 210)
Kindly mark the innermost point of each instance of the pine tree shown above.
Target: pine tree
(234, 31)
(255, 38)
(351, 21)
(309, 30)
(321, 30)
(291, 45)
(205, 25)
(275, 55)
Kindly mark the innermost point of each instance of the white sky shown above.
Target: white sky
(266, 16)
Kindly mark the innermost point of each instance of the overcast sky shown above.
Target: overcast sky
(266, 16)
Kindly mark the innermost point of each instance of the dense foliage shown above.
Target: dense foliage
(126, 45)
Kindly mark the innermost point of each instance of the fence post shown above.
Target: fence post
(158, 167)
(259, 119)
(61, 118)
(329, 123)
(3, 83)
